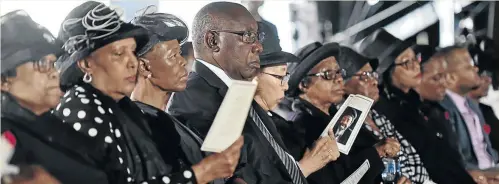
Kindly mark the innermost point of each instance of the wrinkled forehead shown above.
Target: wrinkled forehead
(329, 63)
(237, 20)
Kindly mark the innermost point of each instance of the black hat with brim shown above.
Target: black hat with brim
(24, 40)
(161, 27)
(352, 61)
(277, 58)
(272, 53)
(313, 57)
(81, 41)
(384, 46)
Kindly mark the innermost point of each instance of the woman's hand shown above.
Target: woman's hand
(324, 151)
(219, 165)
(31, 175)
(388, 148)
(404, 180)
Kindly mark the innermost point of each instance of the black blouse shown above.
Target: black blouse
(121, 133)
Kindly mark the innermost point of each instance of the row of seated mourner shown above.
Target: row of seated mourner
(93, 105)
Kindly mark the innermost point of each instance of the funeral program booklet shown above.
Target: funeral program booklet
(347, 122)
(231, 116)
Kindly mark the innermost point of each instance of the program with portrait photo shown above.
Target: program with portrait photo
(345, 125)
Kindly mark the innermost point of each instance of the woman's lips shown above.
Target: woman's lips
(131, 78)
(419, 75)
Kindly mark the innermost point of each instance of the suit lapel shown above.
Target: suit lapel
(211, 78)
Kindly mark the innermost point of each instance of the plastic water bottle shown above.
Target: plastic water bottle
(390, 173)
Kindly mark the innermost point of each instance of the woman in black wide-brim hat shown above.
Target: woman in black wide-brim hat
(362, 79)
(98, 73)
(316, 85)
(30, 89)
(162, 70)
(400, 72)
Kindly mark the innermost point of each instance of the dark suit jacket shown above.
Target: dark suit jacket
(197, 106)
(493, 121)
(460, 131)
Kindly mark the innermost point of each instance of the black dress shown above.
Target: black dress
(126, 152)
(179, 146)
(301, 123)
(426, 127)
(45, 141)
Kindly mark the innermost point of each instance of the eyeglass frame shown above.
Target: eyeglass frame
(367, 75)
(44, 65)
(282, 78)
(405, 63)
(324, 74)
(260, 36)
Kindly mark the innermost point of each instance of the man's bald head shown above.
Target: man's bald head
(226, 35)
(216, 16)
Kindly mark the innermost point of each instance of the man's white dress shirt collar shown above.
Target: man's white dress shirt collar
(218, 72)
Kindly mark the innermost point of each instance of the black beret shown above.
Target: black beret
(384, 46)
(352, 61)
(83, 39)
(24, 40)
(161, 27)
(272, 52)
(313, 58)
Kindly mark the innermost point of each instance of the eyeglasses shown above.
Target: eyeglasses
(367, 75)
(44, 65)
(329, 74)
(409, 64)
(248, 36)
(283, 79)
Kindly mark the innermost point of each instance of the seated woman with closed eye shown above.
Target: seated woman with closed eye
(162, 70)
(98, 73)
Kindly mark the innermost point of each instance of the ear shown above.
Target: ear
(84, 66)
(144, 67)
(6, 83)
(303, 86)
(211, 39)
